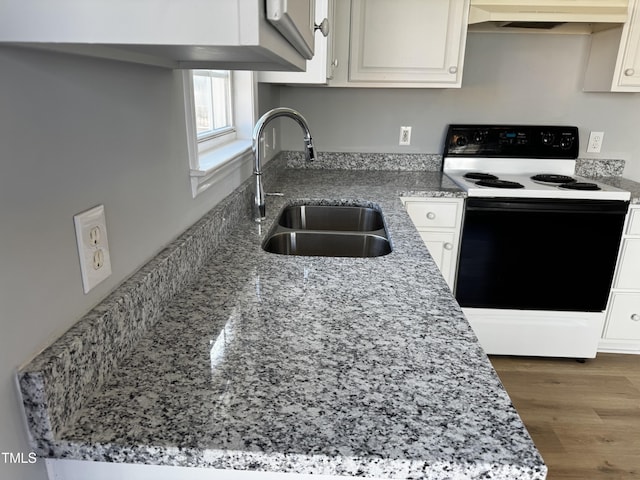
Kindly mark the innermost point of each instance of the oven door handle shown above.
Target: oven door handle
(547, 205)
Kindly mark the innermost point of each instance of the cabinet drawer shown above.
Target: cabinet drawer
(433, 214)
(623, 322)
(628, 275)
(633, 228)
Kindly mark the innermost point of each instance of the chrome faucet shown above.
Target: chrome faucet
(257, 133)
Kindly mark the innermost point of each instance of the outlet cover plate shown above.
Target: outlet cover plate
(405, 136)
(595, 142)
(93, 246)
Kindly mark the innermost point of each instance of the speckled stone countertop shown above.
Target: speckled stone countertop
(342, 366)
(610, 172)
(625, 184)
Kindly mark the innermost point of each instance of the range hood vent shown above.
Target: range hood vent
(534, 25)
(547, 14)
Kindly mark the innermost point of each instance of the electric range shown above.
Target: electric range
(520, 161)
(526, 178)
(538, 245)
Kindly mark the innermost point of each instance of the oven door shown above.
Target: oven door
(539, 254)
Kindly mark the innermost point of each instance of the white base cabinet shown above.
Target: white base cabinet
(614, 59)
(439, 221)
(624, 313)
(622, 327)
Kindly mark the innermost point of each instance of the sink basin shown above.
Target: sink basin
(327, 244)
(329, 231)
(331, 217)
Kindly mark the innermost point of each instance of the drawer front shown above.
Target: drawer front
(633, 228)
(433, 214)
(628, 275)
(624, 317)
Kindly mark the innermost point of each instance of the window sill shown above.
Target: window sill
(217, 165)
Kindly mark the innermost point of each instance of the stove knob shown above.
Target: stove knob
(547, 138)
(479, 137)
(566, 143)
(461, 141)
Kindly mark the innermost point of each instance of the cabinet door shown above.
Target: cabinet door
(408, 41)
(633, 226)
(624, 317)
(320, 68)
(628, 66)
(295, 20)
(628, 276)
(442, 247)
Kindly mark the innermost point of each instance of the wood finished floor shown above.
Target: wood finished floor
(583, 417)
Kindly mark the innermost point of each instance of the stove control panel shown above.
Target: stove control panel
(523, 141)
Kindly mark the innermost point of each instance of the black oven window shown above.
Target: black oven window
(538, 255)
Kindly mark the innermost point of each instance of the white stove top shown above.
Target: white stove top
(521, 171)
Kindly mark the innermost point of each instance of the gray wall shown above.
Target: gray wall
(77, 132)
(516, 78)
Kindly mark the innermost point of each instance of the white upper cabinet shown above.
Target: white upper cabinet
(295, 20)
(320, 68)
(226, 34)
(401, 43)
(614, 58)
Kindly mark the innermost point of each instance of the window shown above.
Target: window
(220, 113)
(212, 102)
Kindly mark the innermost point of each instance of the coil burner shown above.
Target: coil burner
(480, 176)
(499, 184)
(580, 186)
(552, 178)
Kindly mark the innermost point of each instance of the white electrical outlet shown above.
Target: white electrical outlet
(93, 246)
(595, 142)
(405, 136)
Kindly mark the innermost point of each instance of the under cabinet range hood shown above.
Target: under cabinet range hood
(547, 14)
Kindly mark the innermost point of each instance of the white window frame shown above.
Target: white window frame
(216, 159)
(218, 135)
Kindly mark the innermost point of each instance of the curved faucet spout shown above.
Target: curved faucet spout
(257, 134)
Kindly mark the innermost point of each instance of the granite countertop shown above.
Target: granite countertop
(317, 365)
(625, 184)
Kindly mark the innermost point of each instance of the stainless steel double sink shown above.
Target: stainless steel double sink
(329, 231)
